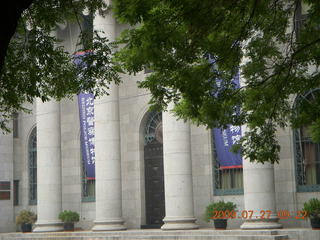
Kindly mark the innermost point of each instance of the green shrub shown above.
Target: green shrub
(26, 216)
(69, 216)
(312, 207)
(214, 207)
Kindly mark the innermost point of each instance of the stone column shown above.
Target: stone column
(259, 189)
(259, 195)
(177, 174)
(107, 149)
(49, 203)
(108, 166)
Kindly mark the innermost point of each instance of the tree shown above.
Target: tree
(33, 62)
(272, 43)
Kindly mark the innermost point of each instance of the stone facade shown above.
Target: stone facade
(120, 183)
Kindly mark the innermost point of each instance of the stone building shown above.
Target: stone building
(150, 168)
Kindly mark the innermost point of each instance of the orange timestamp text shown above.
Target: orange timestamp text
(263, 214)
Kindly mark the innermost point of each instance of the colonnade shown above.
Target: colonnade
(258, 179)
(177, 168)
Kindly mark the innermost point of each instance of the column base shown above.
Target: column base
(48, 227)
(179, 224)
(261, 224)
(109, 225)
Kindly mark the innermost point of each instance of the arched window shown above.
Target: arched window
(32, 164)
(226, 181)
(153, 129)
(307, 153)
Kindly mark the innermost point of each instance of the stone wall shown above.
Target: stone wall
(6, 175)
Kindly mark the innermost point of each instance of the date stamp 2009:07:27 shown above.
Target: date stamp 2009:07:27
(263, 214)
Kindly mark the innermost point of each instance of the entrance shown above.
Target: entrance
(154, 179)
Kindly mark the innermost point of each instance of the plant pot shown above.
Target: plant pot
(315, 223)
(220, 223)
(26, 227)
(68, 226)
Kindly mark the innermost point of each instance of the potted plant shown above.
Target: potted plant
(219, 212)
(312, 209)
(26, 218)
(69, 218)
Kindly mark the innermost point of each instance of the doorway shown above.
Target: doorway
(154, 174)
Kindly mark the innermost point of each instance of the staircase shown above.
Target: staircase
(153, 235)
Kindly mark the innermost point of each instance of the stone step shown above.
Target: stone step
(108, 236)
(158, 232)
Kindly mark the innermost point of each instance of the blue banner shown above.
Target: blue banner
(86, 116)
(225, 138)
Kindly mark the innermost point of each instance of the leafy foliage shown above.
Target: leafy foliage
(308, 113)
(68, 216)
(37, 65)
(26, 216)
(275, 50)
(312, 207)
(215, 207)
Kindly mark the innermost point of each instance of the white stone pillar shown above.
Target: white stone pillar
(108, 166)
(49, 203)
(259, 195)
(259, 189)
(107, 149)
(177, 174)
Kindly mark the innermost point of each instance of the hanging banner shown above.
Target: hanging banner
(86, 116)
(225, 138)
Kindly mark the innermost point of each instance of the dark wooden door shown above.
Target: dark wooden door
(154, 183)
